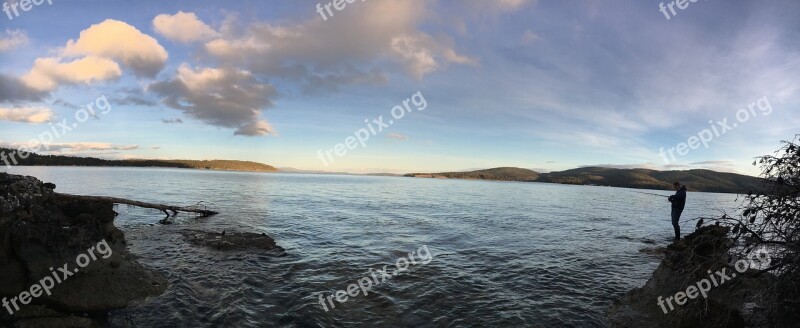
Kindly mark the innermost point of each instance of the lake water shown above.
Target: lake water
(503, 253)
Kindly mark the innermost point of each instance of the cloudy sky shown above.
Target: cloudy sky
(548, 85)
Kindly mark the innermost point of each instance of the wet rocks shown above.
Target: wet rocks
(231, 241)
(39, 231)
(658, 252)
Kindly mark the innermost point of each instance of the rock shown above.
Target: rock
(657, 251)
(231, 241)
(685, 263)
(63, 322)
(40, 231)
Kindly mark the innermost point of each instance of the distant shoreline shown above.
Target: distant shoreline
(695, 180)
(11, 157)
(381, 175)
(144, 167)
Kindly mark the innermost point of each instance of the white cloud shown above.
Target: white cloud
(182, 27)
(421, 54)
(496, 6)
(318, 55)
(719, 166)
(508, 4)
(259, 128)
(99, 49)
(12, 39)
(47, 73)
(34, 115)
(369, 34)
(647, 166)
(14, 90)
(529, 37)
(172, 121)
(72, 146)
(397, 136)
(224, 97)
(121, 42)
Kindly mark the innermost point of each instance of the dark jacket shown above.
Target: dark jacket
(678, 200)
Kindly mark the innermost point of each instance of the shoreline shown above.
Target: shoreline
(365, 175)
(41, 229)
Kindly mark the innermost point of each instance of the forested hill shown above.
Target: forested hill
(58, 160)
(500, 173)
(695, 180)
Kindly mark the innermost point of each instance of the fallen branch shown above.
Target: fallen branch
(163, 208)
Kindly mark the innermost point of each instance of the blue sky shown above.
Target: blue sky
(547, 85)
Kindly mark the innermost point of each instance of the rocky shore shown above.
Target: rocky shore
(742, 301)
(46, 237)
(39, 231)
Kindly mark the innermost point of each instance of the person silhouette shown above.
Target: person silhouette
(678, 201)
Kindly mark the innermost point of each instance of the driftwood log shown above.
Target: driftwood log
(164, 208)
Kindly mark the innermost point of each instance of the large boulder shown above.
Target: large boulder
(41, 232)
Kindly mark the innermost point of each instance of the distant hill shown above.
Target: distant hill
(59, 160)
(500, 173)
(384, 174)
(294, 170)
(695, 180)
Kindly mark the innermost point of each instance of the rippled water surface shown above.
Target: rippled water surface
(503, 253)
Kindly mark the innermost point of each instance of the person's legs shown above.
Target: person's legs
(676, 216)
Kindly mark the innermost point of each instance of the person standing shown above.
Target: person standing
(678, 201)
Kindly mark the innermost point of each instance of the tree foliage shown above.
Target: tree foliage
(769, 221)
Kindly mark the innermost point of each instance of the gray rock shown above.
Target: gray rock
(63, 322)
(231, 241)
(40, 231)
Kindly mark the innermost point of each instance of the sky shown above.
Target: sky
(467, 84)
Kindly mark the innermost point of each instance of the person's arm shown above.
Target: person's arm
(680, 195)
(674, 197)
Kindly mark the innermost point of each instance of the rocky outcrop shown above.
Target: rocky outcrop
(734, 303)
(40, 233)
(231, 241)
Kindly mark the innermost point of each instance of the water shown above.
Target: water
(503, 253)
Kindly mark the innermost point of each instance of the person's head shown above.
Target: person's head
(676, 185)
